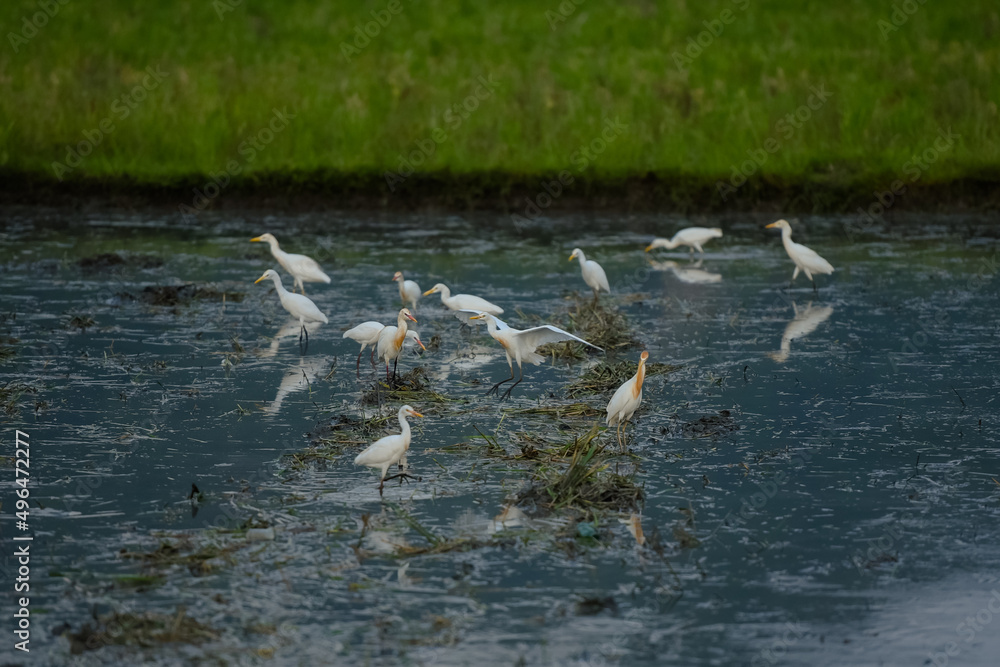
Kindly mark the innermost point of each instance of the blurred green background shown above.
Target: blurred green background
(896, 81)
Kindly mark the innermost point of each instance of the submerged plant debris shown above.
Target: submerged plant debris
(601, 324)
(709, 426)
(181, 295)
(111, 260)
(607, 376)
(410, 387)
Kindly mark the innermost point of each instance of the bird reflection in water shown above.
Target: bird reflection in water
(692, 274)
(804, 323)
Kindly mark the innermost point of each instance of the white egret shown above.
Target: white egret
(391, 339)
(464, 301)
(298, 305)
(367, 334)
(301, 267)
(627, 399)
(388, 450)
(409, 291)
(592, 272)
(693, 237)
(520, 345)
(806, 259)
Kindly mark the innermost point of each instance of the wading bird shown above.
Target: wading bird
(626, 400)
(388, 450)
(298, 305)
(301, 267)
(409, 291)
(806, 259)
(693, 237)
(520, 346)
(367, 334)
(464, 301)
(390, 341)
(592, 272)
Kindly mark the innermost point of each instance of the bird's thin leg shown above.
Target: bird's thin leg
(357, 366)
(815, 290)
(506, 394)
(387, 371)
(395, 364)
(495, 388)
(402, 476)
(371, 358)
(381, 483)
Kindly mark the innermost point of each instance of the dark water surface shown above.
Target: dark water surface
(847, 511)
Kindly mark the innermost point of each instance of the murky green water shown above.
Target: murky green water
(851, 518)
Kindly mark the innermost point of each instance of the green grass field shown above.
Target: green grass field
(555, 84)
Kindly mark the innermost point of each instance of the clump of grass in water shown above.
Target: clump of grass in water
(597, 323)
(585, 484)
(146, 629)
(411, 387)
(608, 376)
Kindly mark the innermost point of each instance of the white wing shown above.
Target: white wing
(465, 315)
(547, 333)
(811, 260)
(366, 332)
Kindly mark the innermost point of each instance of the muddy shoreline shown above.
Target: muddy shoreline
(503, 193)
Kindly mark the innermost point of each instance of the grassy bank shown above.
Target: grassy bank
(165, 93)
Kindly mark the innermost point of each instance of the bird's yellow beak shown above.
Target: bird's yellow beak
(411, 317)
(771, 226)
(432, 290)
(572, 256)
(649, 247)
(420, 343)
(480, 316)
(260, 279)
(256, 238)
(414, 413)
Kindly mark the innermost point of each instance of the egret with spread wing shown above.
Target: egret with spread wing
(301, 267)
(520, 345)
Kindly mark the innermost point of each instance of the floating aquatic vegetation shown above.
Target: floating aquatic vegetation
(139, 629)
(184, 552)
(585, 484)
(601, 324)
(606, 377)
(710, 426)
(410, 387)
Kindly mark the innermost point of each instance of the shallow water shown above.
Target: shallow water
(852, 518)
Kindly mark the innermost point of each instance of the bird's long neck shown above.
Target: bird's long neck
(786, 238)
(400, 329)
(278, 286)
(402, 292)
(445, 293)
(405, 426)
(275, 249)
(639, 377)
(670, 244)
(581, 257)
(491, 325)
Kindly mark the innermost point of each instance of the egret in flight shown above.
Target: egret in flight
(593, 274)
(464, 301)
(391, 339)
(806, 259)
(299, 306)
(693, 237)
(409, 291)
(627, 399)
(367, 334)
(388, 450)
(520, 346)
(301, 267)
